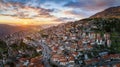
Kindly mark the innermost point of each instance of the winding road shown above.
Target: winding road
(46, 52)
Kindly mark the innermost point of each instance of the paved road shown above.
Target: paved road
(1, 63)
(46, 52)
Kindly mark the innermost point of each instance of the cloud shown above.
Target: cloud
(52, 11)
(65, 19)
(18, 10)
(91, 4)
(22, 13)
(90, 7)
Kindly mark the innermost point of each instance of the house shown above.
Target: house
(55, 58)
(71, 59)
(99, 41)
(116, 65)
(86, 56)
(108, 43)
(39, 49)
(74, 54)
(63, 61)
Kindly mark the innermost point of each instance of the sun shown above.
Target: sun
(25, 23)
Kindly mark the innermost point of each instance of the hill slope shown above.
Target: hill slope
(110, 12)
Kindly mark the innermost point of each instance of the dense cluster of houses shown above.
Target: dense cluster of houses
(69, 42)
(73, 44)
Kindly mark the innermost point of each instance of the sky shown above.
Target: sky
(35, 12)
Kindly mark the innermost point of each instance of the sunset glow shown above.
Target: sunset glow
(27, 12)
(59, 33)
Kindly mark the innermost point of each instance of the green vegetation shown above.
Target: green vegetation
(3, 48)
(106, 24)
(111, 26)
(16, 47)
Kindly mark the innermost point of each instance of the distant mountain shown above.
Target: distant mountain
(10, 29)
(110, 12)
(7, 29)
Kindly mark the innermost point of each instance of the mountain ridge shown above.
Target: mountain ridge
(112, 12)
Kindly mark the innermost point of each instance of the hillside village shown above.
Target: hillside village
(75, 44)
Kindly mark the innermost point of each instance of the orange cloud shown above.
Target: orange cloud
(15, 13)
